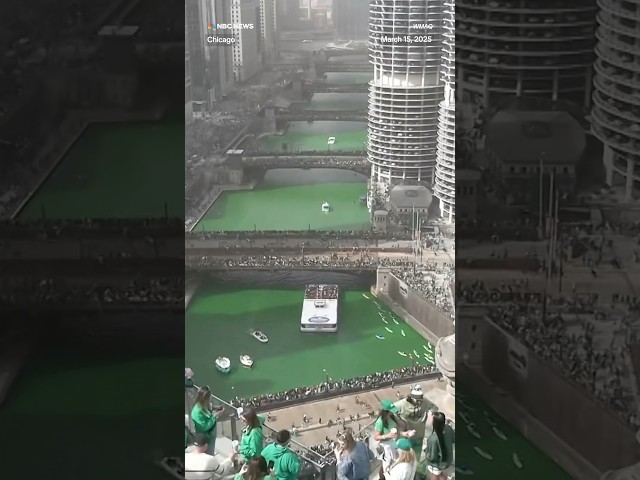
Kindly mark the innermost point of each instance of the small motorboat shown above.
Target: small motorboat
(246, 361)
(223, 364)
(326, 207)
(258, 335)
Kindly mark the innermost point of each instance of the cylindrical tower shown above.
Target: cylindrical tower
(445, 178)
(405, 91)
(508, 48)
(616, 100)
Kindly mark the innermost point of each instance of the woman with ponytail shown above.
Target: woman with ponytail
(439, 449)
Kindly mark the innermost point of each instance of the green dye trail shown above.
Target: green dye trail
(535, 463)
(218, 323)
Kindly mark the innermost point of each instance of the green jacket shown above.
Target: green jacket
(252, 441)
(286, 464)
(203, 420)
(434, 452)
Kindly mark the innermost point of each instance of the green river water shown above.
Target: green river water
(116, 170)
(535, 464)
(291, 199)
(309, 136)
(218, 322)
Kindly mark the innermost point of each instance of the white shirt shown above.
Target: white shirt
(402, 471)
(202, 466)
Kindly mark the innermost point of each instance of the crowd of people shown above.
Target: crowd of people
(87, 228)
(328, 235)
(295, 262)
(149, 291)
(295, 162)
(586, 341)
(333, 387)
(522, 229)
(435, 285)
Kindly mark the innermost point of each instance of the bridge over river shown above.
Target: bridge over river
(269, 162)
(359, 115)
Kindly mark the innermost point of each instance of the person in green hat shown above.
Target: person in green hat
(404, 467)
(385, 431)
(286, 464)
(413, 411)
(439, 447)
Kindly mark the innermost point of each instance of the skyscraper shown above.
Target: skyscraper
(247, 57)
(522, 48)
(211, 67)
(268, 30)
(351, 18)
(445, 177)
(405, 92)
(616, 100)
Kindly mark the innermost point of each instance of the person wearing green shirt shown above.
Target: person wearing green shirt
(286, 464)
(439, 447)
(413, 411)
(204, 419)
(256, 469)
(385, 431)
(252, 440)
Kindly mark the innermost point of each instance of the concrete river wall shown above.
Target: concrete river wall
(424, 317)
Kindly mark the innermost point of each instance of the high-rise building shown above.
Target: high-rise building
(522, 48)
(268, 30)
(246, 51)
(405, 92)
(211, 67)
(351, 19)
(194, 36)
(616, 100)
(445, 177)
(220, 59)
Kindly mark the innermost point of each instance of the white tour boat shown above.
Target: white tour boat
(223, 364)
(326, 207)
(246, 361)
(258, 335)
(331, 140)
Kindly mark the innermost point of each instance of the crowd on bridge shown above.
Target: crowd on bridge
(280, 161)
(335, 387)
(327, 262)
(586, 341)
(46, 292)
(86, 228)
(326, 235)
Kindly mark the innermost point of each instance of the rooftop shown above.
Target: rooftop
(408, 196)
(527, 137)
